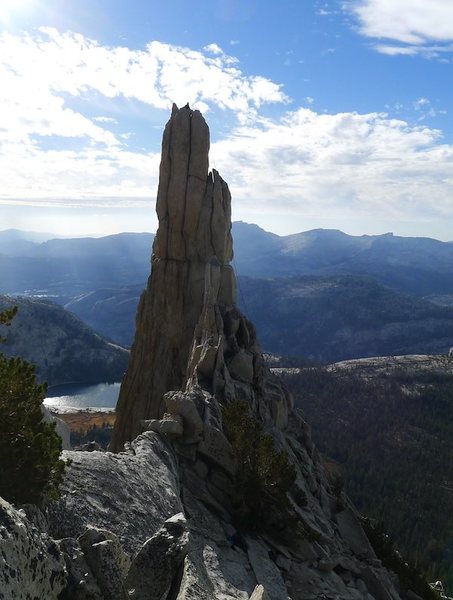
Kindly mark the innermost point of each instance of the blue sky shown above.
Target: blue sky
(333, 114)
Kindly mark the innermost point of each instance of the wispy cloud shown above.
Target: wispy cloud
(414, 26)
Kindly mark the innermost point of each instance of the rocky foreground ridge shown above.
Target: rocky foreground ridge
(154, 518)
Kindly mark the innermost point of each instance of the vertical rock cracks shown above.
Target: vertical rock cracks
(189, 331)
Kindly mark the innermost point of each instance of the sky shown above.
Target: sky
(323, 114)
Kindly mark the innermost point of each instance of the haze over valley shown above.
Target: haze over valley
(320, 294)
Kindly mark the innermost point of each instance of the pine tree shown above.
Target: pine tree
(30, 464)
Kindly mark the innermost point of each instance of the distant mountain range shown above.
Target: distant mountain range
(64, 268)
(420, 266)
(321, 294)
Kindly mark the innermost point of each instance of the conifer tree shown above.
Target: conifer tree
(30, 464)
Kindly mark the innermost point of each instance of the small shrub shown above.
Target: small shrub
(264, 474)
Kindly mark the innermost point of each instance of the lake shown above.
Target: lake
(74, 397)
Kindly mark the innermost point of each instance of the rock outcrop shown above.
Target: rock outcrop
(156, 521)
(189, 330)
(195, 352)
(31, 565)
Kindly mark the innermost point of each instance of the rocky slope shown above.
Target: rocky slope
(61, 346)
(388, 422)
(157, 520)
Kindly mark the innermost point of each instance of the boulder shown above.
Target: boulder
(171, 425)
(107, 561)
(81, 583)
(31, 564)
(156, 564)
(353, 534)
(215, 448)
(129, 494)
(178, 403)
(266, 571)
(241, 366)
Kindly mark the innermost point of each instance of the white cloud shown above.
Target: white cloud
(346, 164)
(418, 26)
(306, 163)
(93, 176)
(160, 75)
(102, 119)
(421, 103)
(46, 77)
(213, 49)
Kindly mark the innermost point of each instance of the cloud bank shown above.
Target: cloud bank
(58, 148)
(417, 26)
(345, 164)
(43, 76)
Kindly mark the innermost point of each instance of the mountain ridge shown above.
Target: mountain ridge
(415, 265)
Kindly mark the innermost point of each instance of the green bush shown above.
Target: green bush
(30, 464)
(264, 474)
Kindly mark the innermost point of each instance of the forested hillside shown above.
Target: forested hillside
(61, 346)
(390, 428)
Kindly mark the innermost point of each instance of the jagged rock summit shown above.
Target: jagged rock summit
(157, 520)
(189, 331)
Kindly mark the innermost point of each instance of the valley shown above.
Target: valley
(320, 294)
